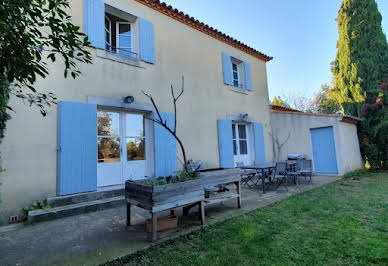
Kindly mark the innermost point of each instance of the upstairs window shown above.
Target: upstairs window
(121, 32)
(236, 73)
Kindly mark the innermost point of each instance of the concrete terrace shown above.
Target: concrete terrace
(94, 238)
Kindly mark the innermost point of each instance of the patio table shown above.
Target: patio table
(261, 168)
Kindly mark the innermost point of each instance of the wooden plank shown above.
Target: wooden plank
(175, 204)
(154, 226)
(169, 197)
(180, 185)
(222, 198)
(139, 204)
(202, 212)
(132, 185)
(128, 214)
(221, 180)
(146, 199)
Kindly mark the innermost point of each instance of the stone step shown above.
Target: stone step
(105, 193)
(74, 209)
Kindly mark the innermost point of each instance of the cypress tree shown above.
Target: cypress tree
(362, 54)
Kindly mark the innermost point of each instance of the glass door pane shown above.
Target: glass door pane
(108, 137)
(135, 137)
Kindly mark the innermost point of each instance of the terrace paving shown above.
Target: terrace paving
(94, 238)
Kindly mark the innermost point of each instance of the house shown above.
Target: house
(99, 135)
(330, 140)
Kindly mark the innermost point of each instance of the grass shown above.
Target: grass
(345, 222)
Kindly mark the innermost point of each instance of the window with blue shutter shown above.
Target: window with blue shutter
(248, 79)
(225, 143)
(147, 46)
(77, 147)
(165, 148)
(258, 132)
(94, 22)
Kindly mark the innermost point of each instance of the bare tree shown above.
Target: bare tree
(159, 120)
(277, 144)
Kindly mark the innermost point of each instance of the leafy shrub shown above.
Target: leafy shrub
(36, 205)
(357, 174)
(160, 181)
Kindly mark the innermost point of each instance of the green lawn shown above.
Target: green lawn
(345, 222)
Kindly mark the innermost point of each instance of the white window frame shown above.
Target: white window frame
(240, 80)
(237, 71)
(118, 36)
(109, 31)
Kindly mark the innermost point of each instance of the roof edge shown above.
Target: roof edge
(202, 27)
(345, 118)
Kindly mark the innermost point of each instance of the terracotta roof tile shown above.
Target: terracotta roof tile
(202, 27)
(345, 118)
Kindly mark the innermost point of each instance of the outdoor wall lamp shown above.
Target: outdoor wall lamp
(129, 99)
(243, 116)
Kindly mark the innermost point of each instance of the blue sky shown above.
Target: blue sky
(301, 35)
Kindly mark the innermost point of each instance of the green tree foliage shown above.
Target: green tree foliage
(33, 33)
(324, 103)
(278, 101)
(359, 70)
(373, 130)
(362, 54)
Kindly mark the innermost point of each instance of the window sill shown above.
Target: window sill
(121, 59)
(239, 90)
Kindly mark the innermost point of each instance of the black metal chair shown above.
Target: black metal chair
(280, 174)
(306, 169)
(247, 176)
(293, 173)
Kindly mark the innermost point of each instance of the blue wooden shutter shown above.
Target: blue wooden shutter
(225, 143)
(77, 147)
(94, 22)
(227, 69)
(258, 133)
(248, 79)
(147, 46)
(165, 148)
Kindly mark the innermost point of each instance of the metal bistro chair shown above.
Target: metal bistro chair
(306, 169)
(247, 176)
(292, 172)
(280, 174)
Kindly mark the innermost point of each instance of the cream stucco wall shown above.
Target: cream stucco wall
(29, 148)
(297, 127)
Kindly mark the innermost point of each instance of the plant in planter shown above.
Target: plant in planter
(36, 205)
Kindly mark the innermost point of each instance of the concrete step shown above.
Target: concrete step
(74, 209)
(104, 193)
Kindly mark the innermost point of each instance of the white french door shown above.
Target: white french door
(121, 146)
(241, 149)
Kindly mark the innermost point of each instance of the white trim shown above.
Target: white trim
(123, 7)
(131, 50)
(109, 32)
(118, 103)
(120, 58)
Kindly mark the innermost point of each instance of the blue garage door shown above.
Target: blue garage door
(325, 159)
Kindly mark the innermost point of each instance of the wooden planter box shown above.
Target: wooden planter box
(160, 198)
(164, 223)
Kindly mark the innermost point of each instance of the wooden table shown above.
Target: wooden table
(262, 169)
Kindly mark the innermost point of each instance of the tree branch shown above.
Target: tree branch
(160, 121)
